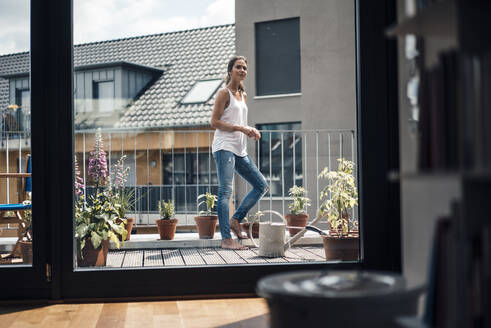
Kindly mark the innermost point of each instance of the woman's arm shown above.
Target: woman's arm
(255, 132)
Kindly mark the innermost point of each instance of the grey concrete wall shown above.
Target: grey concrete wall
(327, 40)
(328, 78)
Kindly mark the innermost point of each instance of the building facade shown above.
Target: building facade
(302, 76)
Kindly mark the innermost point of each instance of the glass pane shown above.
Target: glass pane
(105, 96)
(144, 96)
(278, 56)
(15, 135)
(202, 91)
(286, 156)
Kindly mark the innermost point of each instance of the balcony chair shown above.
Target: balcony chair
(24, 189)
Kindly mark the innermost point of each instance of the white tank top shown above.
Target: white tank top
(235, 114)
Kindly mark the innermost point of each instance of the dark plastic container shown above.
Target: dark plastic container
(338, 299)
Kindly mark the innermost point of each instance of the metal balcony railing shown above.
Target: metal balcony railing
(15, 124)
(179, 165)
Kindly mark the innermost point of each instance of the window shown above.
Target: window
(23, 113)
(281, 143)
(189, 175)
(278, 57)
(104, 95)
(186, 169)
(202, 91)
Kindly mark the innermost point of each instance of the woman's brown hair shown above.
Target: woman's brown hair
(230, 65)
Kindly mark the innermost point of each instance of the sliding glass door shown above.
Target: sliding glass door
(123, 141)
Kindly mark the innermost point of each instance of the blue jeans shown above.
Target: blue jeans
(227, 163)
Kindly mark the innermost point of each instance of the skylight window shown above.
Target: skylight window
(201, 92)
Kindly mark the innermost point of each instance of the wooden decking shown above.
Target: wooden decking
(230, 313)
(207, 256)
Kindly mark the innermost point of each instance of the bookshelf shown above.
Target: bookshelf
(445, 156)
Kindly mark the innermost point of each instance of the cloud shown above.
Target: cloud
(14, 26)
(96, 20)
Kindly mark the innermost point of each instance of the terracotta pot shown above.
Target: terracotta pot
(299, 220)
(255, 229)
(206, 226)
(341, 248)
(166, 228)
(128, 226)
(94, 257)
(26, 251)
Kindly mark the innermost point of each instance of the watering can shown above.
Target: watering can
(272, 241)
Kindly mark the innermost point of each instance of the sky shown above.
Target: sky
(97, 20)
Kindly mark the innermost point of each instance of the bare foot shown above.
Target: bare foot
(232, 244)
(235, 228)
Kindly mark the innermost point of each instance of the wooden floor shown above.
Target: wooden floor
(207, 256)
(244, 313)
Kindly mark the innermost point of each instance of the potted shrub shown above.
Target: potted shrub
(206, 221)
(95, 225)
(167, 223)
(255, 225)
(123, 197)
(26, 242)
(96, 216)
(298, 207)
(337, 200)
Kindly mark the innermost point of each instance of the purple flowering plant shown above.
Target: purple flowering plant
(98, 161)
(79, 182)
(97, 216)
(122, 197)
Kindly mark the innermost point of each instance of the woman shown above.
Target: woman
(229, 149)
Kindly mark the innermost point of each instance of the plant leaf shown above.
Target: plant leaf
(95, 239)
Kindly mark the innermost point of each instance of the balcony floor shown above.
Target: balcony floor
(207, 256)
(186, 249)
(191, 240)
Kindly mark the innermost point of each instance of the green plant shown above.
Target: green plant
(255, 217)
(123, 200)
(166, 209)
(300, 200)
(339, 196)
(210, 200)
(96, 219)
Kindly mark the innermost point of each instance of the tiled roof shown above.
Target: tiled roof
(4, 93)
(184, 56)
(14, 63)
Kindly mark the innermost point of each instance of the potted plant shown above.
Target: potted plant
(95, 225)
(298, 207)
(123, 197)
(206, 221)
(96, 216)
(166, 225)
(337, 200)
(26, 242)
(255, 224)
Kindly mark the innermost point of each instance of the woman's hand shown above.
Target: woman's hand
(251, 132)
